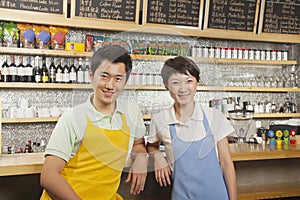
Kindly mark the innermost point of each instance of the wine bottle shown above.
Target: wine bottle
(45, 73)
(87, 71)
(13, 69)
(37, 70)
(21, 71)
(5, 71)
(80, 72)
(52, 70)
(29, 70)
(66, 73)
(73, 73)
(59, 73)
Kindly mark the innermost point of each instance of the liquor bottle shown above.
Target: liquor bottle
(80, 72)
(29, 70)
(45, 73)
(52, 70)
(37, 70)
(5, 71)
(59, 73)
(22, 71)
(86, 71)
(13, 69)
(18, 70)
(66, 72)
(73, 73)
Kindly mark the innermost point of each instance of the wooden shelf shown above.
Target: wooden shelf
(145, 117)
(63, 53)
(273, 115)
(29, 120)
(141, 87)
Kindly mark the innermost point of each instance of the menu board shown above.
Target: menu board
(124, 10)
(231, 14)
(282, 16)
(45, 6)
(174, 12)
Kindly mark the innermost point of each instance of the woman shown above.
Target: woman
(197, 150)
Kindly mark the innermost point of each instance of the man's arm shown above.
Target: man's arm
(138, 170)
(52, 181)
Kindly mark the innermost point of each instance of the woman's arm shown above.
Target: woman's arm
(52, 181)
(161, 167)
(227, 168)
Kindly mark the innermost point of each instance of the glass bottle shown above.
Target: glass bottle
(37, 70)
(45, 73)
(86, 71)
(73, 73)
(29, 70)
(13, 70)
(52, 70)
(80, 72)
(59, 73)
(66, 72)
(5, 71)
(22, 71)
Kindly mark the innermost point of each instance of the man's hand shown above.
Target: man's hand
(138, 173)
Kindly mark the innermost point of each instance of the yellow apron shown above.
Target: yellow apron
(95, 171)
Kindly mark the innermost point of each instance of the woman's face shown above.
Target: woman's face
(182, 88)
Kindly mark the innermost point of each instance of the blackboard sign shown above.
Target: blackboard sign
(282, 16)
(174, 12)
(124, 10)
(236, 15)
(46, 6)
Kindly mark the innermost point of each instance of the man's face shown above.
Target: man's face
(108, 82)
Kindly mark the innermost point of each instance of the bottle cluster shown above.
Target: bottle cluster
(37, 69)
(29, 147)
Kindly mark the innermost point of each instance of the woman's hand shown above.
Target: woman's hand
(162, 170)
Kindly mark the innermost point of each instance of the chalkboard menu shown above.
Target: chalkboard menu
(107, 9)
(282, 16)
(231, 14)
(46, 6)
(174, 12)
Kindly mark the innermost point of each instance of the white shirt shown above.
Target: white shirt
(191, 130)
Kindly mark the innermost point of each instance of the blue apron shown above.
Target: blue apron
(197, 173)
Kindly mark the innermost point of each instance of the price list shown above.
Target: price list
(107, 9)
(282, 16)
(174, 12)
(46, 6)
(232, 14)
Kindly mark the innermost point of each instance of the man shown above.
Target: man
(91, 142)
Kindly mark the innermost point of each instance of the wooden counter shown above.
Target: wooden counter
(247, 152)
(262, 172)
(20, 164)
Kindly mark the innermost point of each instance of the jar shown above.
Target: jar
(278, 55)
(205, 52)
(240, 53)
(246, 53)
(274, 54)
(285, 55)
(223, 52)
(251, 54)
(211, 52)
(234, 53)
(268, 54)
(228, 52)
(263, 55)
(218, 52)
(257, 54)
(194, 50)
(200, 52)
